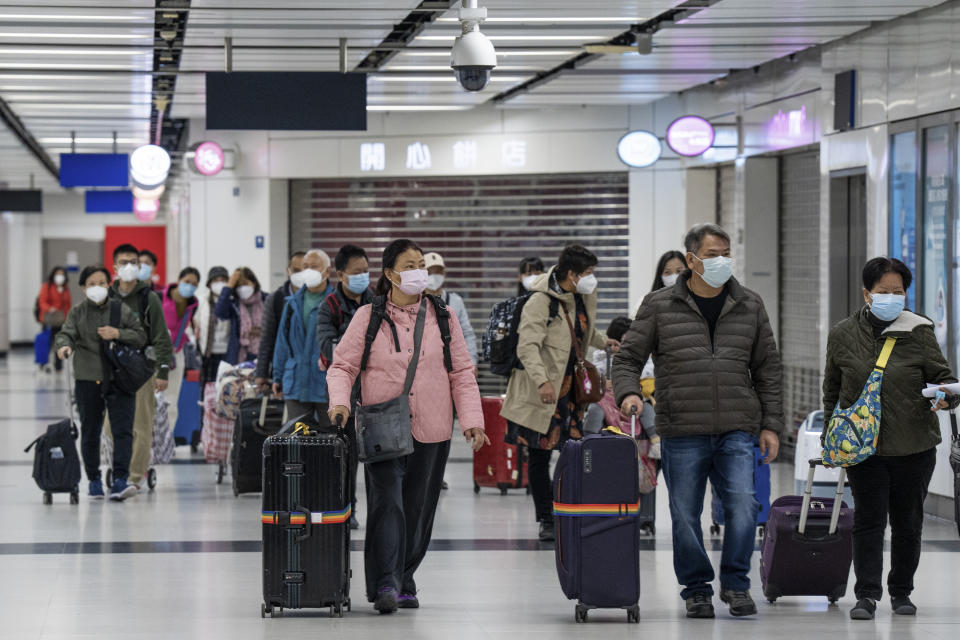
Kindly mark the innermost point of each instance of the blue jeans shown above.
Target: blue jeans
(727, 460)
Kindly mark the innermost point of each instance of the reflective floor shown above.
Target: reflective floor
(183, 562)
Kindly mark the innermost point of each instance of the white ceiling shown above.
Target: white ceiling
(84, 66)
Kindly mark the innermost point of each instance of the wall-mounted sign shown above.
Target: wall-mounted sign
(639, 149)
(373, 156)
(418, 156)
(149, 166)
(465, 154)
(208, 158)
(513, 154)
(690, 136)
(789, 129)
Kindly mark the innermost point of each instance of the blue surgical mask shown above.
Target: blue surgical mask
(146, 271)
(186, 289)
(887, 306)
(358, 283)
(717, 271)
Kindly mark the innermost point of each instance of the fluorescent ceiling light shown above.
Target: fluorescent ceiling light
(444, 78)
(614, 20)
(81, 36)
(82, 105)
(67, 65)
(526, 38)
(418, 107)
(432, 53)
(44, 76)
(91, 141)
(445, 67)
(76, 17)
(76, 52)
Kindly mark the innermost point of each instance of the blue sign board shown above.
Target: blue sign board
(108, 201)
(94, 170)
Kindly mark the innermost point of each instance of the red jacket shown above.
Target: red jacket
(54, 298)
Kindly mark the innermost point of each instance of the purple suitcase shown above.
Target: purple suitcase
(596, 509)
(807, 546)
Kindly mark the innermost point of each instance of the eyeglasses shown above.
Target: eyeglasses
(123, 263)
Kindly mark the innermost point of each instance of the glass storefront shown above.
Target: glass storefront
(936, 195)
(903, 203)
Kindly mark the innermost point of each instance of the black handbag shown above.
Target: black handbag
(384, 430)
(125, 368)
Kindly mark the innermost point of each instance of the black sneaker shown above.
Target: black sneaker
(386, 601)
(902, 606)
(740, 603)
(864, 609)
(547, 533)
(408, 601)
(700, 605)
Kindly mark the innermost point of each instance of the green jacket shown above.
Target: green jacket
(159, 346)
(79, 333)
(907, 425)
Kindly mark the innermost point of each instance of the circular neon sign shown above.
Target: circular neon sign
(690, 136)
(639, 149)
(149, 165)
(208, 158)
(145, 209)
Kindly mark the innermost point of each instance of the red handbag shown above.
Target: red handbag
(587, 381)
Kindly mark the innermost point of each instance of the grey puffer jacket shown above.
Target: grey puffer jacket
(704, 389)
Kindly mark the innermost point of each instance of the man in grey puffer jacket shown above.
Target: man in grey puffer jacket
(717, 390)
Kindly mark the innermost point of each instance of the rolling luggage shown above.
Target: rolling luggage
(305, 520)
(761, 485)
(257, 419)
(500, 465)
(807, 546)
(187, 428)
(596, 501)
(217, 434)
(56, 464)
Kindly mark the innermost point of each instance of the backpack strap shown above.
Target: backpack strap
(334, 303)
(116, 309)
(378, 314)
(443, 322)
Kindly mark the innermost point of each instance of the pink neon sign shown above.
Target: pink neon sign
(690, 136)
(208, 158)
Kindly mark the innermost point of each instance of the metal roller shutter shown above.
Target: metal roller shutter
(482, 226)
(800, 284)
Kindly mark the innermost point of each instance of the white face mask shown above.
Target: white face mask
(587, 285)
(435, 282)
(96, 295)
(670, 280)
(245, 291)
(217, 288)
(529, 280)
(297, 279)
(311, 278)
(129, 272)
(59, 279)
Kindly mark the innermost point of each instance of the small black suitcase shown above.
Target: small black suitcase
(56, 465)
(257, 419)
(306, 521)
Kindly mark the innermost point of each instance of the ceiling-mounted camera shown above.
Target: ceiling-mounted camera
(473, 56)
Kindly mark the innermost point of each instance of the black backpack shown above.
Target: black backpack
(124, 367)
(56, 465)
(378, 315)
(501, 338)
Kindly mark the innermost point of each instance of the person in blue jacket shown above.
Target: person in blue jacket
(296, 375)
(242, 303)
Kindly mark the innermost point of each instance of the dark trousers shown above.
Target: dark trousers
(57, 362)
(893, 486)
(210, 365)
(402, 496)
(541, 487)
(91, 405)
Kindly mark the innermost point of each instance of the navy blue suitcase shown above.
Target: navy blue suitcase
(596, 492)
(761, 484)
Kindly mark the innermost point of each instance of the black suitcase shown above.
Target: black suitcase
(257, 419)
(56, 465)
(306, 521)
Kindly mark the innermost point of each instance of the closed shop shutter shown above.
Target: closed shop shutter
(482, 226)
(800, 284)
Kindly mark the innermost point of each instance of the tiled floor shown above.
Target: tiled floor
(182, 562)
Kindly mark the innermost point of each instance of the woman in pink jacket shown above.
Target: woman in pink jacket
(402, 493)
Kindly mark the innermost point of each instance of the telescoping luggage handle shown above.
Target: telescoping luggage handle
(808, 492)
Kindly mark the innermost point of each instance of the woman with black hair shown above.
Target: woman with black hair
(53, 305)
(402, 493)
(242, 303)
(528, 271)
(179, 306)
(670, 267)
(87, 328)
(893, 483)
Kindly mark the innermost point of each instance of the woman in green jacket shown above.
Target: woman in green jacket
(87, 327)
(893, 483)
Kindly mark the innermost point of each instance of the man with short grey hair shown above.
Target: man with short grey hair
(718, 390)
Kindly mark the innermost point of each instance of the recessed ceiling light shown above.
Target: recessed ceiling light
(418, 107)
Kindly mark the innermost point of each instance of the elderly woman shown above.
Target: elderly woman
(893, 483)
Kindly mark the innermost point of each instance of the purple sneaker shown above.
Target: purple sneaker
(386, 601)
(408, 601)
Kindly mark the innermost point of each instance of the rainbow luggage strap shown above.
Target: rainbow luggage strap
(298, 518)
(596, 510)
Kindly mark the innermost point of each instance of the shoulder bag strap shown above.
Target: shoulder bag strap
(885, 353)
(116, 310)
(443, 322)
(417, 341)
(578, 348)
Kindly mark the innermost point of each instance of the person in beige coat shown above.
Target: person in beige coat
(540, 408)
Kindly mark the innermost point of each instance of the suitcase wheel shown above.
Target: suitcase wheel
(715, 529)
(476, 488)
(772, 600)
(336, 611)
(633, 614)
(349, 606)
(761, 530)
(47, 497)
(580, 613)
(152, 478)
(221, 469)
(74, 497)
(832, 600)
(503, 491)
(109, 478)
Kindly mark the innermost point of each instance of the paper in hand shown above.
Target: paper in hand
(931, 390)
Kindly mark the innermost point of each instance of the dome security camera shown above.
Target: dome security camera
(473, 56)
